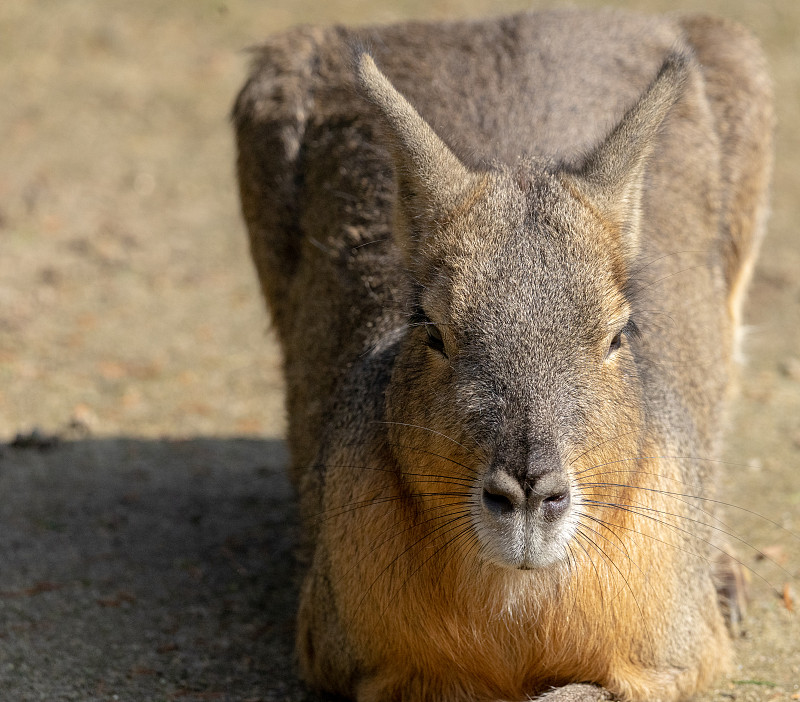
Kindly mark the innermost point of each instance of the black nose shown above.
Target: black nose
(547, 495)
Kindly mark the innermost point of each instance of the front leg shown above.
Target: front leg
(576, 693)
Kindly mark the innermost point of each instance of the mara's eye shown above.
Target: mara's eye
(433, 335)
(435, 338)
(628, 331)
(616, 342)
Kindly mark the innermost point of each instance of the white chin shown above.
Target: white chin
(523, 546)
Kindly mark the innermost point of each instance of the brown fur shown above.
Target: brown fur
(449, 277)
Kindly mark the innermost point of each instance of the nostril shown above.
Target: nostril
(555, 505)
(498, 504)
(557, 498)
(502, 494)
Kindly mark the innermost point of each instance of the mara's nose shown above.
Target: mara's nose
(546, 495)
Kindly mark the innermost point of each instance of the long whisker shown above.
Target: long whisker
(621, 546)
(733, 535)
(601, 443)
(688, 496)
(580, 532)
(456, 523)
(454, 479)
(714, 546)
(610, 560)
(393, 534)
(679, 497)
(424, 428)
(648, 287)
(377, 499)
(636, 273)
(391, 563)
(662, 457)
(473, 543)
(635, 510)
(572, 568)
(419, 450)
(653, 538)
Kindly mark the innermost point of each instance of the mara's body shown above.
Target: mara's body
(508, 316)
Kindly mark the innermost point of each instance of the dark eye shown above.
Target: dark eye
(616, 342)
(435, 338)
(433, 335)
(630, 330)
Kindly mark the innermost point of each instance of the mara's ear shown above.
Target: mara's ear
(432, 181)
(612, 175)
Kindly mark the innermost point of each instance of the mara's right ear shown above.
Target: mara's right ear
(611, 177)
(432, 181)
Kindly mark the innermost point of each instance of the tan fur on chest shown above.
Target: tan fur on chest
(431, 611)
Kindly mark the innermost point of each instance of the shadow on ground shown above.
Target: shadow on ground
(160, 569)
(164, 570)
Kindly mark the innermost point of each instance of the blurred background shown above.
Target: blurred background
(129, 308)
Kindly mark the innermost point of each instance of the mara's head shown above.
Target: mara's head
(517, 379)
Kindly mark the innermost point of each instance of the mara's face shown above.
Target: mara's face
(518, 379)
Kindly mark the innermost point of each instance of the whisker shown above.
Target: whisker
(652, 538)
(634, 510)
(341, 510)
(436, 455)
(596, 572)
(635, 274)
(650, 285)
(661, 457)
(601, 443)
(712, 500)
(622, 544)
(624, 551)
(610, 560)
(572, 569)
(393, 534)
(424, 428)
(419, 450)
(456, 523)
(435, 477)
(391, 563)
(473, 542)
(677, 496)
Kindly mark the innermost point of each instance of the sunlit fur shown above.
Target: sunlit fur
(471, 630)
(532, 187)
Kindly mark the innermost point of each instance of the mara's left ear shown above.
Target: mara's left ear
(612, 175)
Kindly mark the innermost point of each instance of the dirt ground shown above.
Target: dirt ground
(146, 528)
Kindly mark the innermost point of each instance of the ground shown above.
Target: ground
(146, 527)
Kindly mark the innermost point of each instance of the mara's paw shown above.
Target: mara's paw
(730, 579)
(576, 693)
